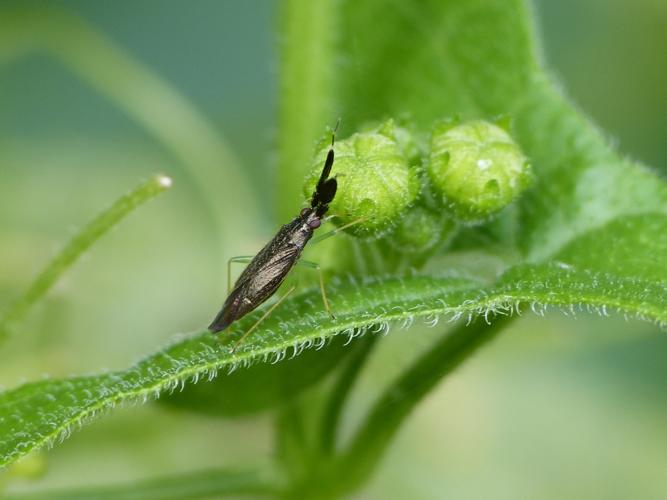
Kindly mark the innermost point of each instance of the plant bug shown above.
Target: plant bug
(269, 268)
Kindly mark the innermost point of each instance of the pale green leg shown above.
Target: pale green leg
(338, 230)
(264, 316)
(317, 267)
(241, 259)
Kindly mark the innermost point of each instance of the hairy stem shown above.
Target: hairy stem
(308, 30)
(81, 242)
(334, 407)
(291, 439)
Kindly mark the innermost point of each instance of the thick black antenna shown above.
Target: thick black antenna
(326, 188)
(328, 163)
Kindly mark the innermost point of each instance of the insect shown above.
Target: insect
(269, 268)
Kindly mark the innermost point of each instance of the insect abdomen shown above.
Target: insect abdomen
(253, 292)
(264, 274)
(230, 312)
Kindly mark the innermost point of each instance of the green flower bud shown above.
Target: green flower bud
(477, 169)
(413, 145)
(375, 180)
(421, 230)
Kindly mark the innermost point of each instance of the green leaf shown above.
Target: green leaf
(201, 484)
(443, 58)
(592, 213)
(476, 59)
(261, 386)
(40, 413)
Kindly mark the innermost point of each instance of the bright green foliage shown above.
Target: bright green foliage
(591, 232)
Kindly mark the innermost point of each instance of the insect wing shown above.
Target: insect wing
(261, 278)
(269, 274)
(230, 312)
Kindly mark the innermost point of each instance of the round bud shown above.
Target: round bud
(422, 229)
(375, 180)
(477, 169)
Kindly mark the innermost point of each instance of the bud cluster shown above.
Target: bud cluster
(416, 191)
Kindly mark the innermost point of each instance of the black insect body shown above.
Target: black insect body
(269, 268)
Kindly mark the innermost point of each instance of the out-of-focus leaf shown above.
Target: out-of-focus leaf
(202, 484)
(76, 246)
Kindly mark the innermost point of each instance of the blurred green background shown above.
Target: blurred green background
(555, 408)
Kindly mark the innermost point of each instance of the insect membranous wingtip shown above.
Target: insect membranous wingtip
(217, 326)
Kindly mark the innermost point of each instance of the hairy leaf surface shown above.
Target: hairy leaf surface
(38, 413)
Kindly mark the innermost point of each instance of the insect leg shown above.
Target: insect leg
(338, 230)
(241, 259)
(317, 267)
(262, 318)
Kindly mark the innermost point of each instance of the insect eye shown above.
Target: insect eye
(305, 211)
(315, 223)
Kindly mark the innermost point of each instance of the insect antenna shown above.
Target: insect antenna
(326, 188)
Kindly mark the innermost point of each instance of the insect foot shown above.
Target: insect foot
(476, 169)
(376, 181)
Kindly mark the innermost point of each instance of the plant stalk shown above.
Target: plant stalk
(81, 242)
(307, 83)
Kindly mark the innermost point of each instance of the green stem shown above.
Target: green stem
(307, 84)
(363, 455)
(334, 408)
(291, 439)
(204, 484)
(81, 242)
